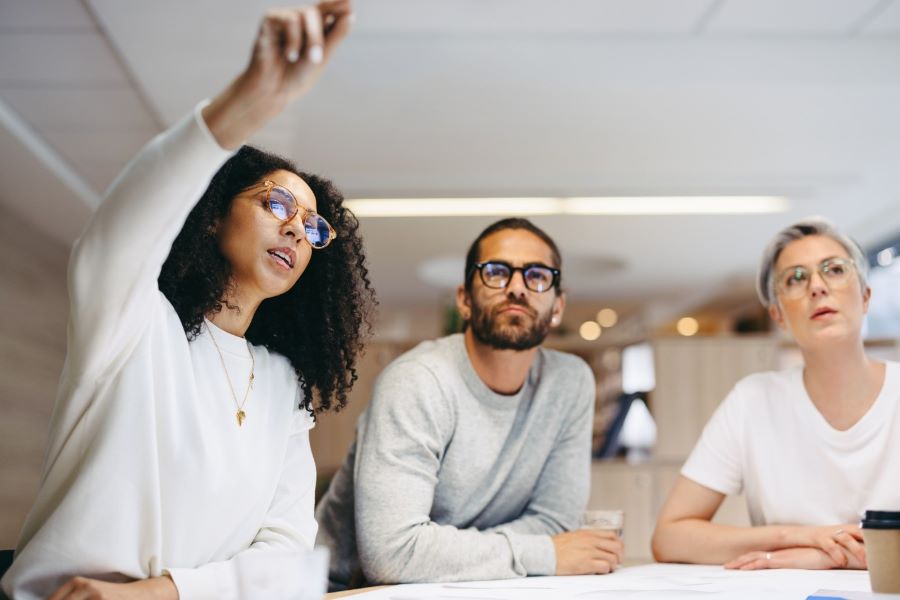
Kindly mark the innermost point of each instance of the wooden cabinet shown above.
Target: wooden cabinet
(640, 490)
(693, 375)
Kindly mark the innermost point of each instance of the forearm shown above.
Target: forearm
(432, 552)
(241, 109)
(694, 540)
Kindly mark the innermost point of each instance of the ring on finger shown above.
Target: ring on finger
(837, 533)
(768, 556)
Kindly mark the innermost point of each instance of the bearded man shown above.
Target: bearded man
(472, 460)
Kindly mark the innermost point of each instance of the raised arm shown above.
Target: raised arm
(115, 263)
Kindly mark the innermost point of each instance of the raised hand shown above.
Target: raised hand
(587, 552)
(293, 45)
(291, 50)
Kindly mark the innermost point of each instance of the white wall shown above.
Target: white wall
(32, 349)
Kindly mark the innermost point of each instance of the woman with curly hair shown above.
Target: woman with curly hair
(179, 463)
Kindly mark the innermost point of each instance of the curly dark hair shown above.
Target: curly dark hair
(321, 324)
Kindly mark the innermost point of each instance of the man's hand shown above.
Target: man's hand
(587, 552)
(82, 588)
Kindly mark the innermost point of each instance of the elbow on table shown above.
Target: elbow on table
(385, 562)
(661, 544)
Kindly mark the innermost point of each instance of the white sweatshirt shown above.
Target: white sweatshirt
(147, 471)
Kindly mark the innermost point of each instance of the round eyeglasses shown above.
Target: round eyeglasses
(281, 203)
(497, 275)
(793, 282)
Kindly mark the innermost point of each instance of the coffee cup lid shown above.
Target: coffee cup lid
(881, 519)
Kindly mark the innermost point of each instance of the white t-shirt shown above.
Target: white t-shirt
(147, 470)
(768, 439)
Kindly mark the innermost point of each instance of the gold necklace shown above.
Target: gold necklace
(240, 415)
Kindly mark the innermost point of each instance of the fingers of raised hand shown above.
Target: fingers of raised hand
(337, 17)
(295, 34)
(315, 37)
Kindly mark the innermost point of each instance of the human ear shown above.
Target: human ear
(777, 318)
(463, 303)
(559, 305)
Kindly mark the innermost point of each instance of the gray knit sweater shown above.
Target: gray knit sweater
(449, 481)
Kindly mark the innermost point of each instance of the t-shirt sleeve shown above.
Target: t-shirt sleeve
(716, 461)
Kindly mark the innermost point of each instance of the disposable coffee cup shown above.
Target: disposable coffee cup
(881, 531)
(608, 520)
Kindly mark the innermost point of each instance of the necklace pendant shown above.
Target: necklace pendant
(241, 415)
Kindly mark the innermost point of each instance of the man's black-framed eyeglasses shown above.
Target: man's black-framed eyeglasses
(497, 275)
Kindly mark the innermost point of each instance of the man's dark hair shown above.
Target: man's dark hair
(474, 252)
(320, 325)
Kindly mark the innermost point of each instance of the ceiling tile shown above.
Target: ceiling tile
(89, 109)
(25, 177)
(51, 59)
(115, 146)
(530, 16)
(43, 15)
(797, 17)
(886, 22)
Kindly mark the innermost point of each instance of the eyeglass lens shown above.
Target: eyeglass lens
(498, 275)
(285, 207)
(795, 281)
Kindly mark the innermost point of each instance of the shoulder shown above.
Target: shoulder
(768, 389)
(429, 362)
(420, 381)
(564, 365)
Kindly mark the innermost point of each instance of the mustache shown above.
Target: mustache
(516, 302)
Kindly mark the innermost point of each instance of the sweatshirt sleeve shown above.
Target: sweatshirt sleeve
(399, 452)
(115, 263)
(562, 491)
(279, 563)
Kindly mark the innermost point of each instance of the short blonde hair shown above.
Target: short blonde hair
(765, 278)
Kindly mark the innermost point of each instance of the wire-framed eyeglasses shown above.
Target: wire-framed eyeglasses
(280, 202)
(793, 282)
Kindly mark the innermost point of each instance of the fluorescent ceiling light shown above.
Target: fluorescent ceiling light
(625, 205)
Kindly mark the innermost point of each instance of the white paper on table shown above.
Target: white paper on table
(647, 581)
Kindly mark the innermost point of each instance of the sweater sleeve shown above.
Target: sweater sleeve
(562, 491)
(279, 563)
(399, 451)
(117, 260)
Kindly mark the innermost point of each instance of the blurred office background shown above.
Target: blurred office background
(794, 101)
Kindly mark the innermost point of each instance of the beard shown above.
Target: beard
(509, 332)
